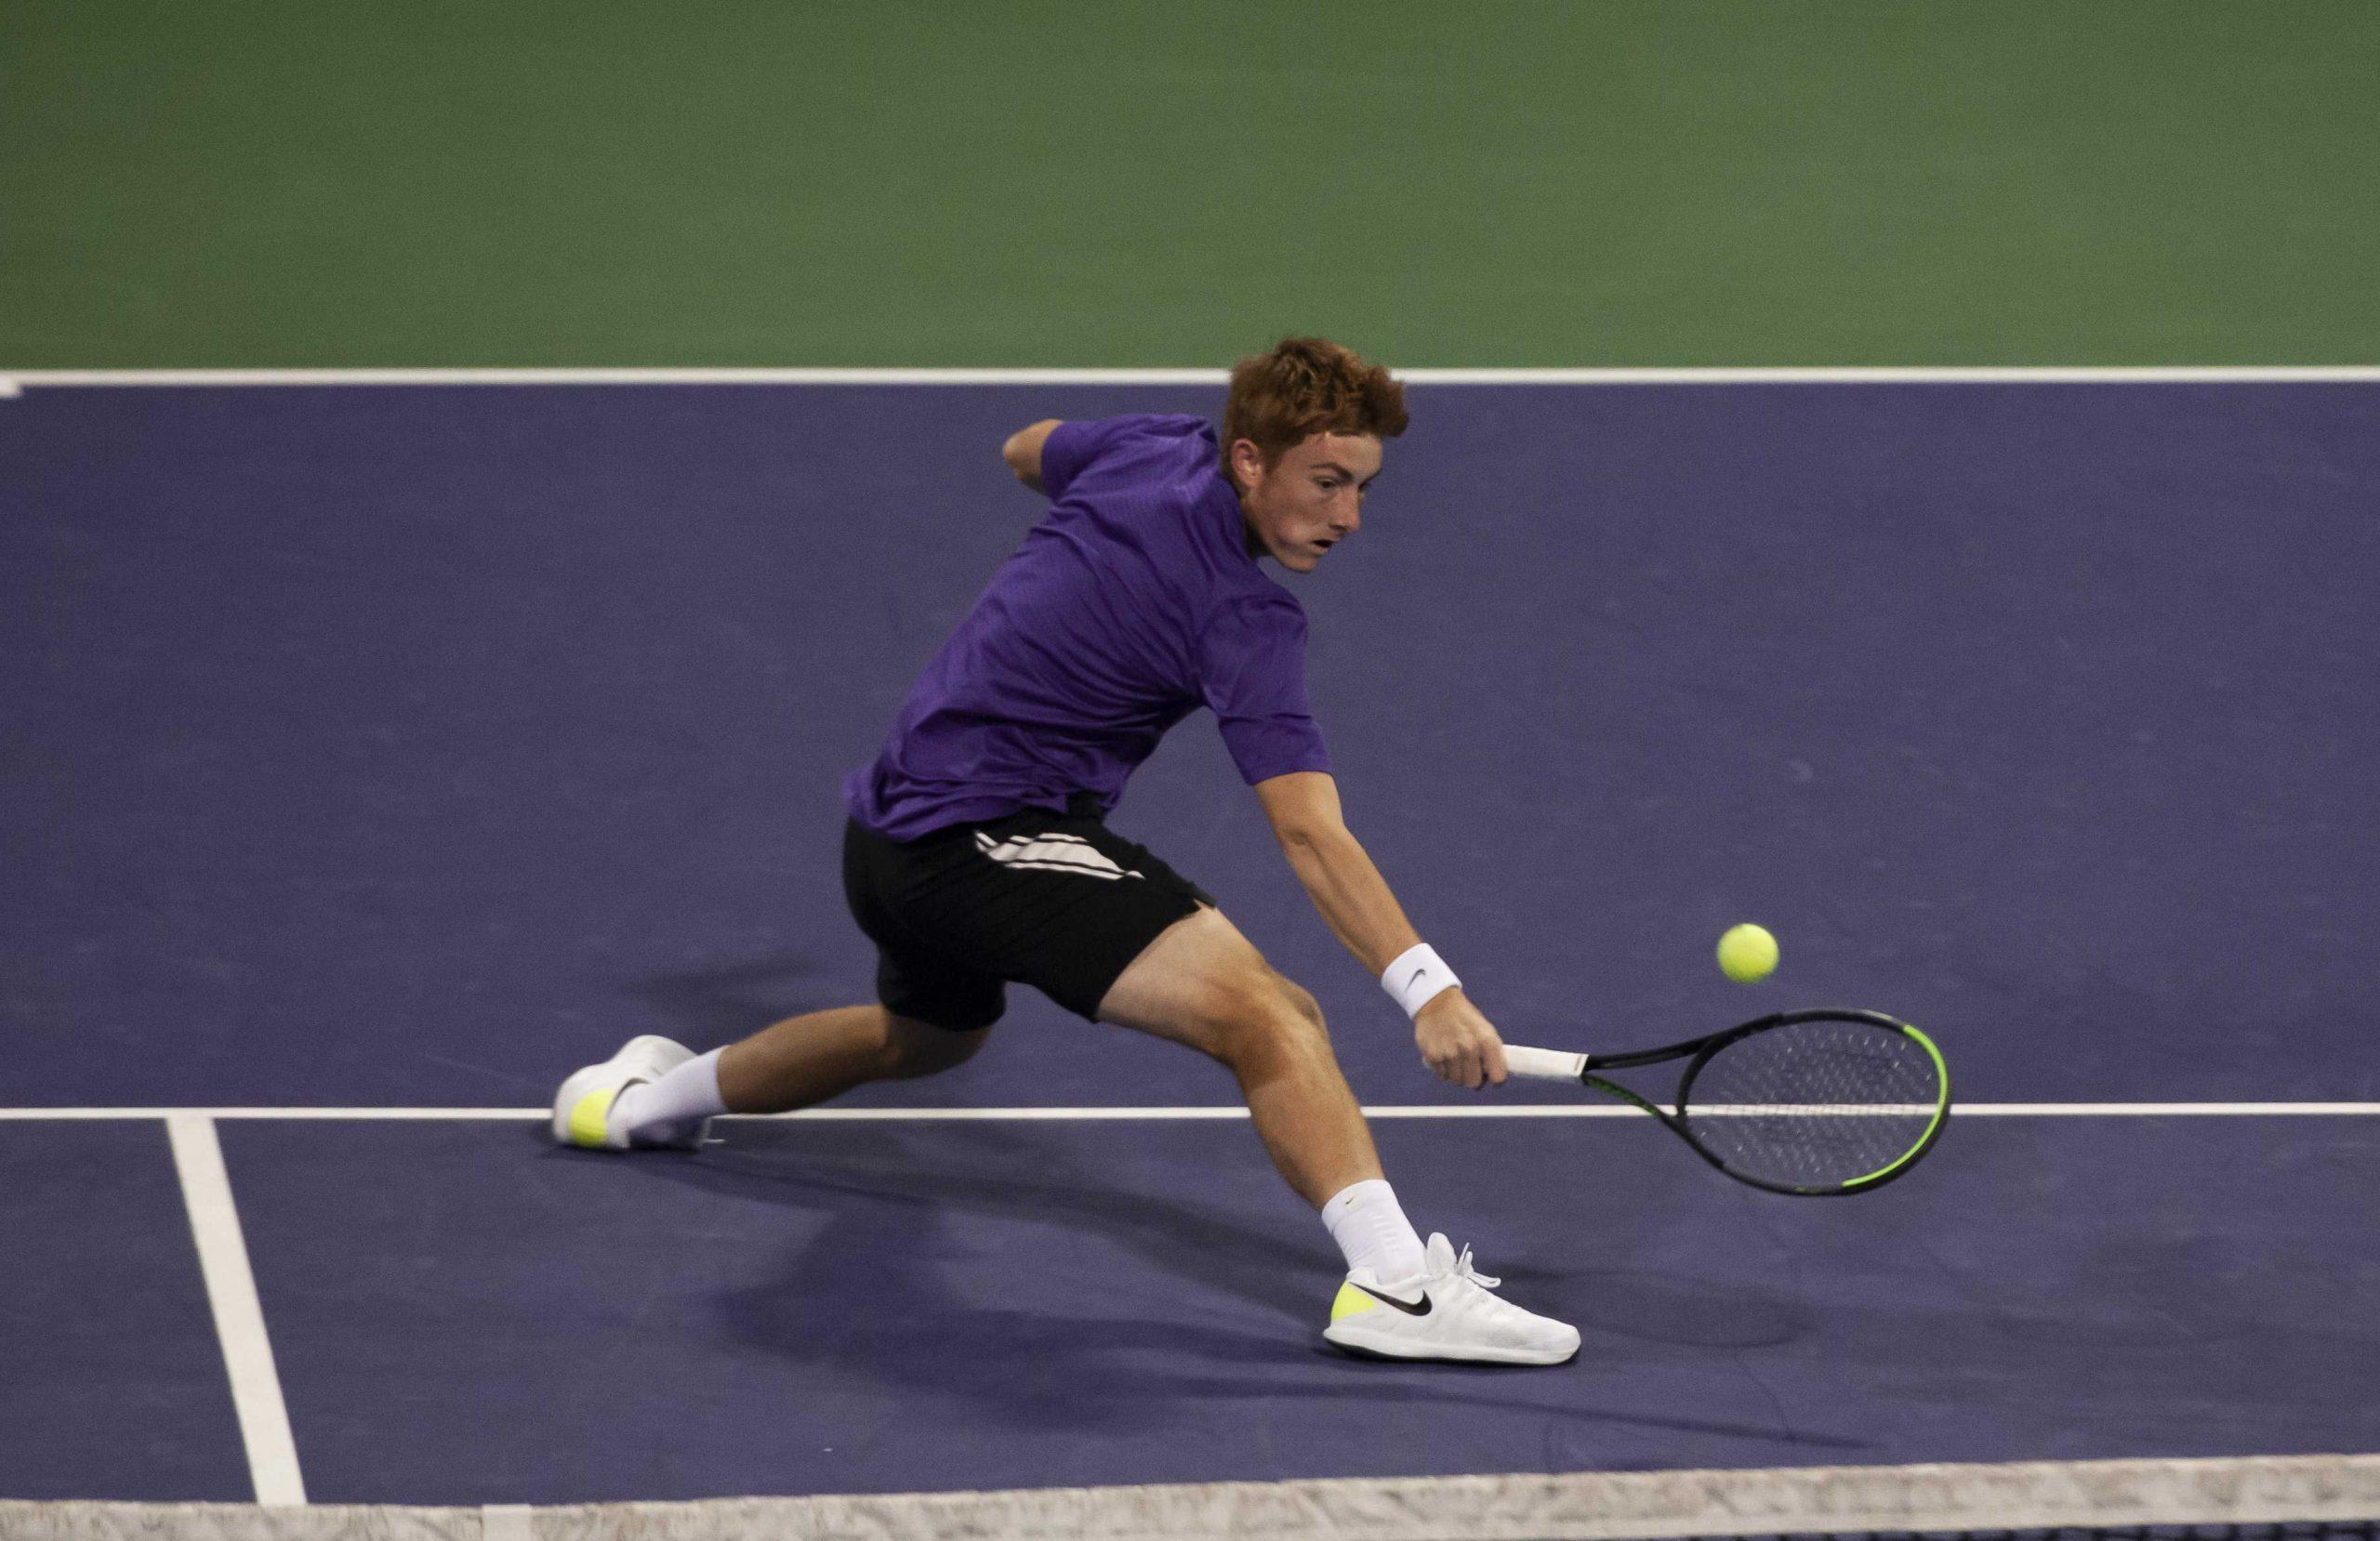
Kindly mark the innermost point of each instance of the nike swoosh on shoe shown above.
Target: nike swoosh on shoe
(1408, 1307)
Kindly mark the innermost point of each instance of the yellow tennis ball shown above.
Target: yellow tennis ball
(1747, 953)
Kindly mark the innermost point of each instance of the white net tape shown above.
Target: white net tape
(1579, 1506)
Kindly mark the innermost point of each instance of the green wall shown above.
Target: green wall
(1702, 182)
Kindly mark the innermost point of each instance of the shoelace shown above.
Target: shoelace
(1463, 1269)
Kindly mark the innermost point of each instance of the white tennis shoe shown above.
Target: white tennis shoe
(583, 1106)
(1448, 1313)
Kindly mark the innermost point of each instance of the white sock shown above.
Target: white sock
(661, 1111)
(1370, 1228)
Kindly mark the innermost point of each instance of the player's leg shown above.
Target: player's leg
(805, 1059)
(1204, 985)
(931, 1014)
(1111, 932)
(810, 1058)
(659, 1094)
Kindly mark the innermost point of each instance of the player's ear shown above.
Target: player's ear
(1247, 462)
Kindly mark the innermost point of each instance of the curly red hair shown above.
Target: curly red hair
(1308, 386)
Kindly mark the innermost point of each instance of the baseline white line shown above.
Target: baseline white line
(826, 377)
(239, 1315)
(1916, 375)
(13, 380)
(1093, 1114)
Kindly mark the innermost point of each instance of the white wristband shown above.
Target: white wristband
(1418, 977)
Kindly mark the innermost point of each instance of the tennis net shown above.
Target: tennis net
(2277, 1498)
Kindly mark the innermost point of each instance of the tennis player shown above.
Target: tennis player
(977, 852)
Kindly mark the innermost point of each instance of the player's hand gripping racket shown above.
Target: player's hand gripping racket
(1808, 1103)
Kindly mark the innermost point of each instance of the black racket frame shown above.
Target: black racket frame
(1698, 1052)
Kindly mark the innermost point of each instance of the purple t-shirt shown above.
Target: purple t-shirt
(1131, 605)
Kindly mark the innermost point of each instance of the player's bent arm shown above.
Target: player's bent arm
(1354, 900)
(1023, 451)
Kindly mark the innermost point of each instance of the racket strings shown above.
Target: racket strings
(1814, 1105)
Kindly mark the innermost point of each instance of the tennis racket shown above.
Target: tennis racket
(1804, 1102)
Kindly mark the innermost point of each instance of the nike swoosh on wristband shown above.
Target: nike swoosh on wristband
(1408, 1307)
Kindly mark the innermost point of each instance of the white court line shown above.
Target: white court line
(13, 380)
(239, 1315)
(1093, 1114)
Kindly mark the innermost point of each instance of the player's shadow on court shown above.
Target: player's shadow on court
(979, 1263)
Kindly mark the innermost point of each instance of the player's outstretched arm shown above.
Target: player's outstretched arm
(1338, 875)
(1023, 451)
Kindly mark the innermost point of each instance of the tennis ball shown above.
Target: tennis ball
(1747, 953)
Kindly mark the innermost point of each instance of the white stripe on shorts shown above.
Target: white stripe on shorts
(1052, 853)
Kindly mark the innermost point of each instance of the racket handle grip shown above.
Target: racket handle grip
(1543, 1064)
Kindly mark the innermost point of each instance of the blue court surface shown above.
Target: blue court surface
(376, 755)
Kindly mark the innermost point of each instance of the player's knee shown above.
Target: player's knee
(1303, 1001)
(1264, 1016)
(912, 1049)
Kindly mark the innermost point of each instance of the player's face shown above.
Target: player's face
(1310, 500)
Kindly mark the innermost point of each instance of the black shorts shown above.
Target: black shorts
(1055, 901)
